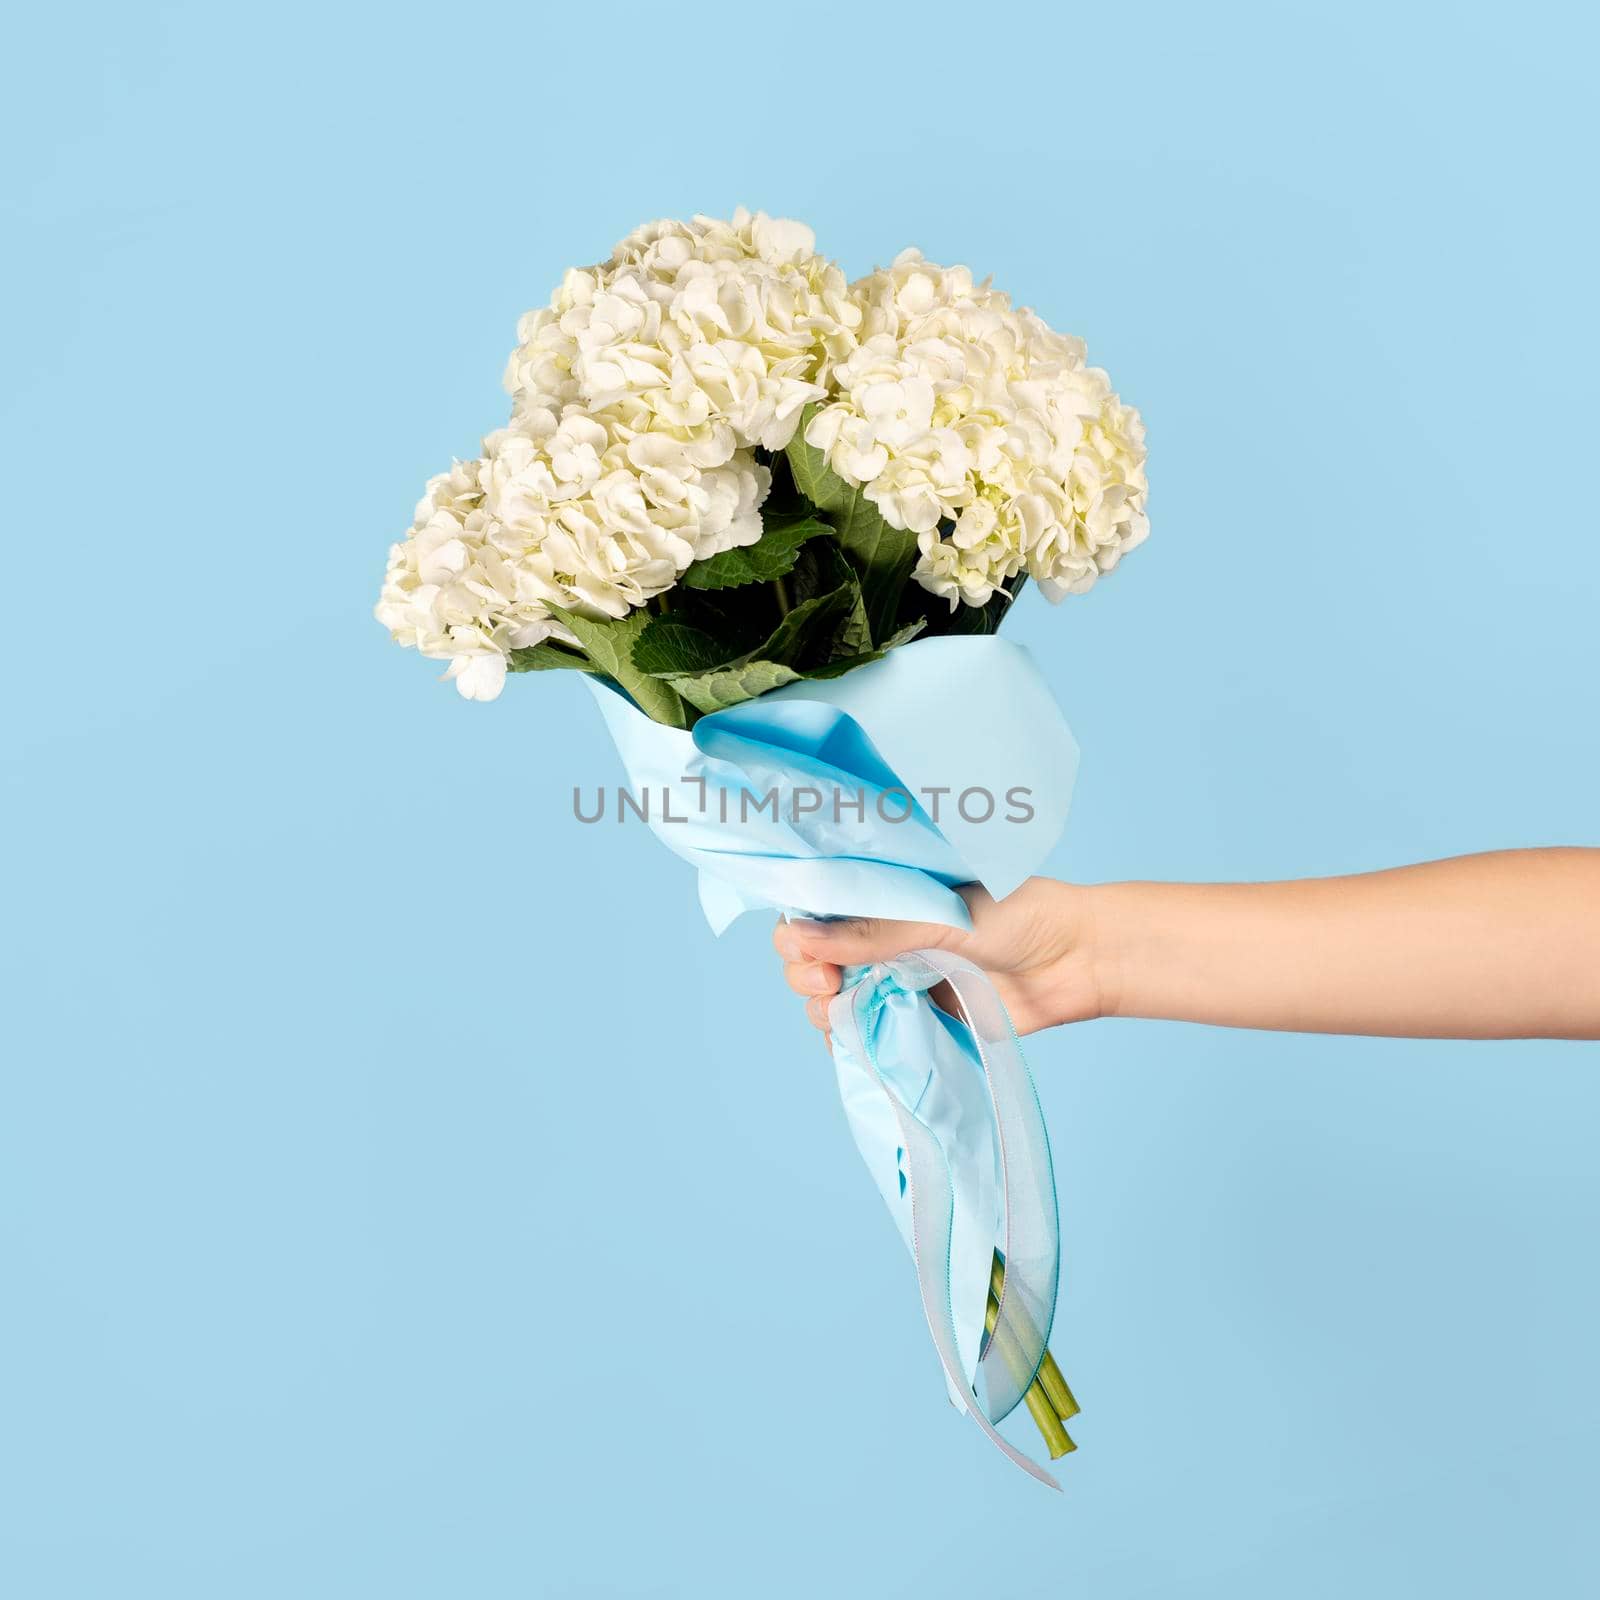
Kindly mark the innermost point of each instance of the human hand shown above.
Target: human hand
(1036, 946)
(1503, 945)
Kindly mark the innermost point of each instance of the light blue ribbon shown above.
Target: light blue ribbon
(973, 1170)
(942, 1110)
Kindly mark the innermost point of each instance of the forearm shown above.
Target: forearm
(1492, 946)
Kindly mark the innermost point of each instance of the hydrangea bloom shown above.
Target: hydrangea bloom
(718, 332)
(638, 395)
(575, 511)
(984, 432)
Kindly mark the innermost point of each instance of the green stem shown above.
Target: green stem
(1050, 1379)
(1055, 1386)
(1056, 1438)
(781, 589)
(1061, 1397)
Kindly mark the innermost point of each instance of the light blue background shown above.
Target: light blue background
(362, 1232)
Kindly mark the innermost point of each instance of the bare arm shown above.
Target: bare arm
(1505, 945)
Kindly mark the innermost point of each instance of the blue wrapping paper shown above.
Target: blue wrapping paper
(877, 794)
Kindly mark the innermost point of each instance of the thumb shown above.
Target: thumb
(853, 941)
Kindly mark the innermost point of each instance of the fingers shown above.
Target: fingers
(811, 978)
(818, 982)
(814, 952)
(853, 940)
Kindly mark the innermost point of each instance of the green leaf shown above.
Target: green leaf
(855, 636)
(823, 634)
(823, 570)
(882, 555)
(903, 635)
(732, 686)
(813, 477)
(837, 669)
(771, 556)
(667, 648)
(548, 658)
(609, 644)
(808, 632)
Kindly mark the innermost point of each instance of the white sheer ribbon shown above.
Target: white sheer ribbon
(972, 1171)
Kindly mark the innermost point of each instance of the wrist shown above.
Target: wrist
(1108, 945)
(1080, 927)
(1153, 944)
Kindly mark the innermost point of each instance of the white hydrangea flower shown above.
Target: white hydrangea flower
(639, 396)
(572, 510)
(983, 431)
(720, 331)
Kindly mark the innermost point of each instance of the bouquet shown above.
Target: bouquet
(776, 517)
